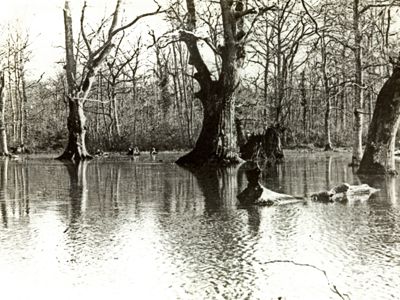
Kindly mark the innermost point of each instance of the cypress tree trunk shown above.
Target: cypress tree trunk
(76, 122)
(378, 156)
(218, 138)
(76, 147)
(217, 141)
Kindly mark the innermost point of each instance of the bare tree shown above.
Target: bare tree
(217, 141)
(78, 92)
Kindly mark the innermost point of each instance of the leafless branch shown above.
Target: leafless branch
(85, 39)
(36, 82)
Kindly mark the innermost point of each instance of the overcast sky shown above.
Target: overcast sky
(43, 20)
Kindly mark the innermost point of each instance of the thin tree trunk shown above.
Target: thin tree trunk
(17, 98)
(3, 134)
(358, 92)
(11, 96)
(24, 125)
(117, 125)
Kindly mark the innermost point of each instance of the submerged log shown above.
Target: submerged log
(345, 192)
(256, 194)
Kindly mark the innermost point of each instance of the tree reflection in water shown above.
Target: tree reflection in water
(78, 190)
(218, 185)
(158, 221)
(14, 195)
(386, 184)
(107, 186)
(4, 190)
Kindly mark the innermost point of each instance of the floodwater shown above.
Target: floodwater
(158, 231)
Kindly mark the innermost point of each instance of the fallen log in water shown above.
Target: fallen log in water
(345, 192)
(255, 193)
(265, 197)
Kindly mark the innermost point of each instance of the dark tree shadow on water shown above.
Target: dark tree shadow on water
(382, 218)
(78, 189)
(14, 190)
(386, 184)
(218, 185)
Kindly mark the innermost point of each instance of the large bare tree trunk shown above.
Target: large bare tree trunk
(3, 135)
(76, 147)
(378, 157)
(217, 142)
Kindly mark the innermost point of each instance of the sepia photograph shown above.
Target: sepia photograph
(200, 149)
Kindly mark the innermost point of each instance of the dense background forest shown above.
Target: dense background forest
(311, 66)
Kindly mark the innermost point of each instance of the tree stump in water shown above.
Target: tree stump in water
(256, 194)
(266, 145)
(345, 192)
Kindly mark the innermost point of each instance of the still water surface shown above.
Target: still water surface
(164, 232)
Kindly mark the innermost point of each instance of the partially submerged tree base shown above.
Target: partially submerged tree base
(328, 147)
(71, 156)
(256, 194)
(345, 192)
(193, 159)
